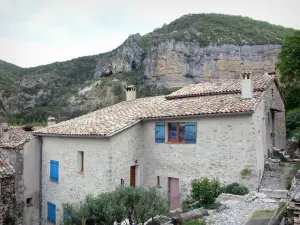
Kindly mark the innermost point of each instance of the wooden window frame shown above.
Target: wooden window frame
(177, 140)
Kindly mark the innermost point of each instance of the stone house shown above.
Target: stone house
(20, 149)
(211, 129)
(7, 192)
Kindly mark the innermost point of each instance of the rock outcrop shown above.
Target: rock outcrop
(173, 63)
(123, 59)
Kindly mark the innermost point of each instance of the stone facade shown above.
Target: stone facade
(225, 145)
(15, 158)
(106, 162)
(24, 157)
(7, 200)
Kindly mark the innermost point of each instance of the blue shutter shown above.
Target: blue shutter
(54, 166)
(160, 132)
(51, 212)
(190, 132)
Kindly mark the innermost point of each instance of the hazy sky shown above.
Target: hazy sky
(35, 32)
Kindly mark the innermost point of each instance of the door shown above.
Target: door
(132, 175)
(174, 196)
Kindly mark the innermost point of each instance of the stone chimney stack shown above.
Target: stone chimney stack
(4, 134)
(247, 84)
(130, 93)
(51, 121)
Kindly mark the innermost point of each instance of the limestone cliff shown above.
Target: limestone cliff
(173, 63)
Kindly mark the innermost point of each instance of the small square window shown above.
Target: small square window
(29, 202)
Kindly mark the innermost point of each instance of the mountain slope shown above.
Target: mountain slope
(190, 49)
(219, 29)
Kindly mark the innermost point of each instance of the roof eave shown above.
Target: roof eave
(143, 119)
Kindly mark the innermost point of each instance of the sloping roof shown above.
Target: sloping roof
(220, 87)
(17, 136)
(5, 169)
(216, 98)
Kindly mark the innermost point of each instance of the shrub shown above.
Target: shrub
(205, 191)
(291, 175)
(135, 203)
(245, 172)
(236, 189)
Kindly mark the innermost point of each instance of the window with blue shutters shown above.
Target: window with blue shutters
(54, 169)
(51, 212)
(160, 132)
(190, 132)
(182, 132)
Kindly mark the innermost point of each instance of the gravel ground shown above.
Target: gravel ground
(239, 213)
(276, 179)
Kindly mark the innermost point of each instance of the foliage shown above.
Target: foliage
(292, 121)
(245, 172)
(205, 191)
(135, 203)
(291, 175)
(289, 64)
(218, 29)
(236, 189)
(194, 222)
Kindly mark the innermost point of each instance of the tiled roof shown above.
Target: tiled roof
(5, 169)
(220, 87)
(17, 136)
(220, 98)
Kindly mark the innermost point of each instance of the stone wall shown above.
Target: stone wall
(31, 174)
(106, 162)
(15, 158)
(225, 146)
(274, 100)
(7, 201)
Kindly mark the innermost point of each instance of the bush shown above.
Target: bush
(205, 191)
(291, 175)
(236, 189)
(135, 203)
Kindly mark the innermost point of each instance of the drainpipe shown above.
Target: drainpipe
(41, 196)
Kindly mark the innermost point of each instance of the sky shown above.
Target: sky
(37, 32)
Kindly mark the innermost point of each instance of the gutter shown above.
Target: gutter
(142, 119)
(40, 194)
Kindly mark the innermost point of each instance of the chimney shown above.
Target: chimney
(130, 93)
(4, 134)
(247, 84)
(51, 121)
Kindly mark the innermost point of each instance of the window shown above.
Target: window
(158, 181)
(80, 161)
(29, 202)
(182, 132)
(122, 182)
(54, 167)
(51, 212)
(177, 132)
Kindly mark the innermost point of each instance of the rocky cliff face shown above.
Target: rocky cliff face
(173, 63)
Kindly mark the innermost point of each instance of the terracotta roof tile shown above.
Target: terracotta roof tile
(17, 136)
(220, 97)
(220, 87)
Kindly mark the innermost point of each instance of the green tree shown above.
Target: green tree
(289, 64)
